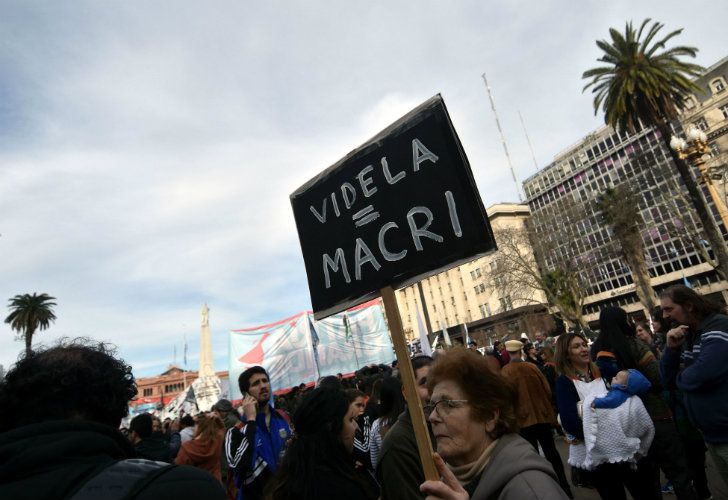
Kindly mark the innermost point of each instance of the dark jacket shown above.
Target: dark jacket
(230, 421)
(399, 470)
(704, 379)
(154, 448)
(56, 458)
(327, 483)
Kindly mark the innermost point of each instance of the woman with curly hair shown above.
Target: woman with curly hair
(479, 452)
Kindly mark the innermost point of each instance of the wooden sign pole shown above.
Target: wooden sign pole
(408, 381)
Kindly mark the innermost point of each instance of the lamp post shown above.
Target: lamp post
(693, 150)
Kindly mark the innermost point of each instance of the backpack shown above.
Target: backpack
(121, 480)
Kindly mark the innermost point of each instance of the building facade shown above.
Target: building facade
(708, 110)
(167, 386)
(467, 296)
(676, 251)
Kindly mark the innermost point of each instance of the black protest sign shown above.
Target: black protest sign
(399, 208)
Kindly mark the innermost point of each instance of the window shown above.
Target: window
(724, 110)
(714, 150)
(505, 303)
(718, 85)
(702, 124)
(147, 392)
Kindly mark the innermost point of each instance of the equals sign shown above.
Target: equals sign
(365, 216)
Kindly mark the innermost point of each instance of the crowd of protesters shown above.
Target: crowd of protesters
(641, 399)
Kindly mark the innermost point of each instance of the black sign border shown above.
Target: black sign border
(408, 121)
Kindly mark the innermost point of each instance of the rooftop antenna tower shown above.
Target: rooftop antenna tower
(528, 140)
(503, 139)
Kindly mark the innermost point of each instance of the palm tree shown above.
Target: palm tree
(29, 313)
(620, 210)
(643, 81)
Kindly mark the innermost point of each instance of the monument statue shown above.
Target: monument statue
(205, 316)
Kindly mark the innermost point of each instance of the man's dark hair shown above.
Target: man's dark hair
(76, 379)
(244, 378)
(187, 421)
(330, 381)
(701, 308)
(142, 425)
(420, 361)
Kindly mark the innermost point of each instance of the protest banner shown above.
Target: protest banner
(299, 349)
(399, 208)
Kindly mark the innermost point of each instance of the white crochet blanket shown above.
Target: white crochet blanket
(622, 434)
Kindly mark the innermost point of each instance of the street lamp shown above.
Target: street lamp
(695, 150)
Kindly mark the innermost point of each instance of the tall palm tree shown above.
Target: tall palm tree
(29, 313)
(643, 81)
(620, 210)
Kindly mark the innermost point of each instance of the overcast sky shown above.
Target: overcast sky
(148, 149)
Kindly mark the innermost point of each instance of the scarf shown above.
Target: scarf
(466, 473)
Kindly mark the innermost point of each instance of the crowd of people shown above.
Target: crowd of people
(641, 399)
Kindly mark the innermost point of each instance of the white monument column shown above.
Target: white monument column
(207, 366)
(207, 387)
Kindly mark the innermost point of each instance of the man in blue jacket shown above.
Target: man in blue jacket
(695, 362)
(255, 446)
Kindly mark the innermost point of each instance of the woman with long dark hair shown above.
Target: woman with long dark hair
(391, 404)
(318, 463)
(618, 337)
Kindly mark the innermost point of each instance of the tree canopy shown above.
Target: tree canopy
(29, 313)
(639, 81)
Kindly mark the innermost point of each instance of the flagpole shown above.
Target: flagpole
(349, 335)
(184, 372)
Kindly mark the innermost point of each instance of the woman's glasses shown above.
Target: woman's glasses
(443, 407)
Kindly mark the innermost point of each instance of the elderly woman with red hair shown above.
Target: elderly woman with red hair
(479, 452)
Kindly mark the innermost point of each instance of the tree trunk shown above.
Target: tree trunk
(29, 341)
(641, 278)
(717, 243)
